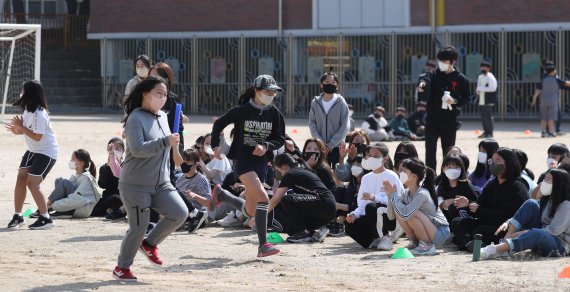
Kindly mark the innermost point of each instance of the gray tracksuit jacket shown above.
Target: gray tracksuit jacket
(330, 127)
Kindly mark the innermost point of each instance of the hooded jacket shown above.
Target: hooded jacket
(330, 127)
(436, 83)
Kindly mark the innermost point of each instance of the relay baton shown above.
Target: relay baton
(177, 113)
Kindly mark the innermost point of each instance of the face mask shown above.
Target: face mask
(308, 155)
(550, 161)
(266, 99)
(377, 115)
(483, 71)
(329, 88)
(496, 169)
(356, 170)
(157, 103)
(443, 66)
(452, 173)
(142, 72)
(403, 177)
(372, 163)
(185, 167)
(545, 188)
(71, 165)
(208, 150)
(399, 117)
(119, 154)
(350, 113)
(482, 157)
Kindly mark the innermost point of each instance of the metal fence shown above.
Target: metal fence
(374, 69)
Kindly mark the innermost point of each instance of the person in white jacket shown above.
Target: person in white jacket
(487, 93)
(374, 125)
(76, 196)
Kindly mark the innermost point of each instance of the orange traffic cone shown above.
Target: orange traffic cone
(527, 132)
(295, 131)
(477, 132)
(565, 273)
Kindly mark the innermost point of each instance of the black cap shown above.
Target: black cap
(266, 82)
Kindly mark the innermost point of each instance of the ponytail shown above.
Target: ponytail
(83, 156)
(429, 184)
(92, 168)
(425, 174)
(246, 95)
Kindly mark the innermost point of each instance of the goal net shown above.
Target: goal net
(20, 46)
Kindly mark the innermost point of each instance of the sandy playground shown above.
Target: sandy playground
(78, 255)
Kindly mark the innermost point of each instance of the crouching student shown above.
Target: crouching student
(416, 208)
(110, 203)
(76, 196)
(369, 224)
(542, 226)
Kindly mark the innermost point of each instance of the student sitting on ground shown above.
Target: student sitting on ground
(454, 183)
(109, 174)
(399, 125)
(376, 126)
(314, 154)
(215, 169)
(417, 121)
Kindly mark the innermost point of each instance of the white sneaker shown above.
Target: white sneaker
(375, 243)
(386, 243)
(490, 252)
(397, 233)
(424, 249)
(230, 220)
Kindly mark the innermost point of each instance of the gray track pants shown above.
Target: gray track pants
(166, 201)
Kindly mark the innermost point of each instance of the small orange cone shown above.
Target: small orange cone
(565, 273)
(477, 132)
(527, 132)
(295, 131)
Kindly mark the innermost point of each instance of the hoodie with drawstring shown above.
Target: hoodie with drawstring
(329, 126)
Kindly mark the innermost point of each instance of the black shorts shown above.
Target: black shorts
(37, 164)
(244, 166)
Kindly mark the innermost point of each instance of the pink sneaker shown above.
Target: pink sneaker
(151, 253)
(266, 250)
(124, 275)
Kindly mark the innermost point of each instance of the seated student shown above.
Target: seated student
(482, 175)
(109, 174)
(76, 196)
(357, 143)
(399, 125)
(417, 121)
(405, 149)
(500, 199)
(454, 183)
(314, 154)
(415, 208)
(369, 224)
(215, 169)
(527, 176)
(199, 145)
(376, 126)
(542, 226)
(556, 153)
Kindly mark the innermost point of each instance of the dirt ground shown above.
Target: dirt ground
(78, 255)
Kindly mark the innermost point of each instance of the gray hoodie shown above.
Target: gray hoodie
(331, 128)
(148, 151)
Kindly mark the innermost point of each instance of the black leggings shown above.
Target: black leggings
(108, 202)
(364, 231)
(307, 211)
(465, 228)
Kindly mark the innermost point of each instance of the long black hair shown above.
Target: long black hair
(560, 190)
(289, 160)
(83, 156)
(33, 97)
(512, 165)
(454, 160)
(424, 173)
(134, 100)
(246, 95)
(404, 150)
(523, 160)
(490, 146)
(383, 148)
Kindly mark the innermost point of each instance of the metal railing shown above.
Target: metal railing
(374, 69)
(57, 29)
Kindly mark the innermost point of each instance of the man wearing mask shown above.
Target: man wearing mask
(487, 93)
(417, 121)
(375, 126)
(445, 90)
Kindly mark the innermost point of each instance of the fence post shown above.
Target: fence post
(502, 73)
(560, 65)
(148, 47)
(290, 103)
(392, 75)
(104, 74)
(341, 57)
(194, 78)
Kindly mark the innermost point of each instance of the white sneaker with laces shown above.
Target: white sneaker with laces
(490, 252)
(424, 249)
(375, 243)
(230, 220)
(385, 243)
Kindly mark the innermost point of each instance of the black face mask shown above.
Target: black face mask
(399, 117)
(377, 115)
(360, 147)
(484, 71)
(496, 169)
(308, 155)
(185, 167)
(329, 88)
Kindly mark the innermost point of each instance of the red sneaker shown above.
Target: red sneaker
(124, 275)
(151, 253)
(213, 202)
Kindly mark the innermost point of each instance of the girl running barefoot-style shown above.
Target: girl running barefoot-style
(40, 157)
(259, 129)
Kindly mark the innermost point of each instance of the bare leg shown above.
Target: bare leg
(428, 226)
(407, 229)
(419, 230)
(33, 182)
(20, 190)
(254, 192)
(551, 126)
(543, 125)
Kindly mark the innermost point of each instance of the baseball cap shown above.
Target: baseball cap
(266, 82)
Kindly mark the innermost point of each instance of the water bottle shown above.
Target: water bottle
(477, 247)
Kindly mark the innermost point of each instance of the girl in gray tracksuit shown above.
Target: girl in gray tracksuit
(145, 178)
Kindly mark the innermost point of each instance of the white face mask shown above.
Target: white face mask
(550, 161)
(118, 154)
(453, 173)
(157, 103)
(545, 188)
(403, 177)
(266, 99)
(71, 164)
(443, 66)
(372, 163)
(482, 157)
(356, 170)
(209, 150)
(142, 72)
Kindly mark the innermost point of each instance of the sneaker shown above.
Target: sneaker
(490, 252)
(62, 215)
(149, 228)
(197, 222)
(230, 220)
(267, 249)
(560, 134)
(412, 245)
(320, 234)
(424, 249)
(397, 233)
(375, 243)
(550, 135)
(115, 215)
(42, 223)
(124, 275)
(482, 136)
(543, 135)
(336, 229)
(16, 222)
(35, 214)
(385, 243)
(470, 246)
(214, 199)
(151, 253)
(299, 237)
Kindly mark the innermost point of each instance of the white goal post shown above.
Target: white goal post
(20, 52)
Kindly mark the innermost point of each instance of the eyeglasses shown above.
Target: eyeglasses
(491, 161)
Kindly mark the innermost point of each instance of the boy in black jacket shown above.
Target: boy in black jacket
(442, 109)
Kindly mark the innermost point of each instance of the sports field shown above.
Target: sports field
(79, 255)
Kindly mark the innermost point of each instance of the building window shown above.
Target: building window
(335, 14)
(41, 6)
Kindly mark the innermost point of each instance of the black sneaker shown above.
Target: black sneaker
(197, 222)
(35, 214)
(115, 215)
(42, 223)
(543, 135)
(336, 229)
(299, 237)
(16, 222)
(550, 135)
(62, 215)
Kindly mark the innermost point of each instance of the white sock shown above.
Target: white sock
(18, 213)
(46, 215)
(193, 214)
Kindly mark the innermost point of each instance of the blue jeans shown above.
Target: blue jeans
(537, 239)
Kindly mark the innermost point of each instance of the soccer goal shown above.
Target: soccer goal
(20, 48)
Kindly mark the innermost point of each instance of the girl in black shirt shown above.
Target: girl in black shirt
(314, 155)
(454, 183)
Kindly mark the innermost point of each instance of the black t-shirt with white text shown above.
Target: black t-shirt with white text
(303, 181)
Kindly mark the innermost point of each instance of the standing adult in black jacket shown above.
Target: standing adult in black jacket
(442, 108)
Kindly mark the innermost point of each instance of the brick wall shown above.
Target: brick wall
(462, 12)
(197, 15)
